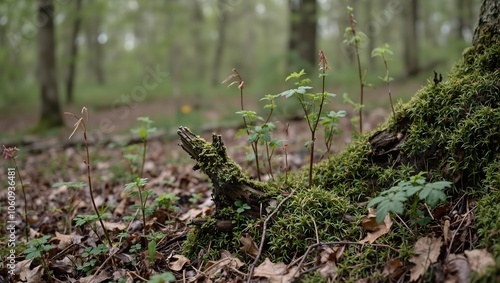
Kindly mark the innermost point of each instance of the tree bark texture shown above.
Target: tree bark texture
(302, 38)
(230, 183)
(50, 114)
(489, 17)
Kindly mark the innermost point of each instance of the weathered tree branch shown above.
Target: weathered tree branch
(230, 183)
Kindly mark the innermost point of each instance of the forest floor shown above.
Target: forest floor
(53, 171)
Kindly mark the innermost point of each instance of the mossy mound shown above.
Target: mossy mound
(450, 130)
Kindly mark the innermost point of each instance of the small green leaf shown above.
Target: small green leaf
(376, 201)
(240, 133)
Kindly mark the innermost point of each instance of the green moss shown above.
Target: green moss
(451, 130)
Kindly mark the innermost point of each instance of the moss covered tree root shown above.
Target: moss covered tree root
(450, 130)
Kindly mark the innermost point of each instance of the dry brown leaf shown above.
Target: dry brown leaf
(374, 230)
(328, 259)
(120, 208)
(178, 263)
(194, 212)
(479, 260)
(235, 262)
(249, 246)
(457, 269)
(446, 232)
(393, 268)
(102, 276)
(213, 268)
(427, 250)
(274, 272)
(66, 240)
(25, 273)
(111, 226)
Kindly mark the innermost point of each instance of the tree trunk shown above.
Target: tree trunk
(302, 37)
(51, 114)
(73, 52)
(199, 45)
(221, 41)
(489, 17)
(411, 49)
(95, 48)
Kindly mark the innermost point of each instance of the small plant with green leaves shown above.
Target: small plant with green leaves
(74, 187)
(384, 52)
(131, 155)
(248, 116)
(167, 201)
(81, 122)
(416, 189)
(312, 104)
(195, 197)
(153, 239)
(143, 131)
(92, 255)
(37, 249)
(10, 153)
(354, 37)
(90, 219)
(261, 134)
(330, 123)
(241, 207)
(135, 189)
(162, 278)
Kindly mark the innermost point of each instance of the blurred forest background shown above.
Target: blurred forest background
(167, 59)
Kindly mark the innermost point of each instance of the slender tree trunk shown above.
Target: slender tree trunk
(199, 46)
(371, 37)
(219, 48)
(460, 19)
(73, 52)
(51, 114)
(302, 38)
(95, 64)
(411, 42)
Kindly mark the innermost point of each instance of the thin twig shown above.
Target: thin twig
(262, 239)
(456, 232)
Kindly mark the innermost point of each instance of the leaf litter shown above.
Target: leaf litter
(447, 248)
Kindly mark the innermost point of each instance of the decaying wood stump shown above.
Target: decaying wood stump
(230, 183)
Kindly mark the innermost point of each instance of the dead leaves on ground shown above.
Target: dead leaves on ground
(427, 250)
(374, 229)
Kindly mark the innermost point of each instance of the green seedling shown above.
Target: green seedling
(312, 104)
(139, 186)
(143, 131)
(92, 254)
(247, 116)
(81, 122)
(167, 201)
(354, 37)
(416, 189)
(384, 52)
(37, 250)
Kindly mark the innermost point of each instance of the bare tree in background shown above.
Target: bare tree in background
(92, 32)
(51, 114)
(73, 52)
(410, 35)
(221, 40)
(199, 43)
(302, 38)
